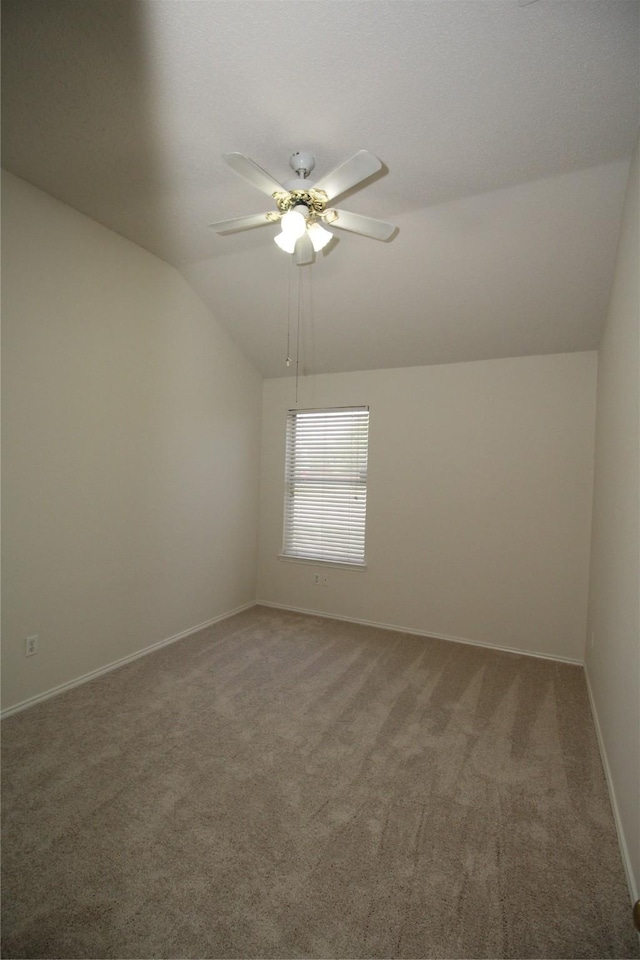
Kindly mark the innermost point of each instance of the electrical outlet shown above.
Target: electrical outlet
(325, 580)
(316, 578)
(30, 646)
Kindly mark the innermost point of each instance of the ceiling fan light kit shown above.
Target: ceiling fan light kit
(302, 204)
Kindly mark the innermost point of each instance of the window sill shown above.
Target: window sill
(323, 563)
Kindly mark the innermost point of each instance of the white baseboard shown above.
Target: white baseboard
(63, 687)
(622, 842)
(420, 633)
(85, 678)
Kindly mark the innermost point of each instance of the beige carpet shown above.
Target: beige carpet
(281, 785)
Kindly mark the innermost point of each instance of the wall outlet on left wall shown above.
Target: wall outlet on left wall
(30, 646)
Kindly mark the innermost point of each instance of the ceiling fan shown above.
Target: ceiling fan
(303, 211)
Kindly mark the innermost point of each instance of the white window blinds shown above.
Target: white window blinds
(326, 484)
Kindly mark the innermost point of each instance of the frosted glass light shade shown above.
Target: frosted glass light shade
(293, 224)
(319, 236)
(286, 242)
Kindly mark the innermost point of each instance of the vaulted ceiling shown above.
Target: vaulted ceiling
(505, 128)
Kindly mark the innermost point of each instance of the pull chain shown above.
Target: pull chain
(289, 316)
(298, 335)
(298, 319)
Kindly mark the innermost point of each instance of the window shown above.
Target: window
(326, 484)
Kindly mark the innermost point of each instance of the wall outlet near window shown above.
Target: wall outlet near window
(30, 646)
(316, 578)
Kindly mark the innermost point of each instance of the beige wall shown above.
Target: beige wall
(479, 502)
(613, 652)
(131, 433)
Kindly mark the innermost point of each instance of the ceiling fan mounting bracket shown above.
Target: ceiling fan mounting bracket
(302, 163)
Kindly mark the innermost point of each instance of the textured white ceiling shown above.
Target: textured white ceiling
(505, 128)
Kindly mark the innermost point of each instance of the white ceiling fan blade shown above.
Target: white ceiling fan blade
(367, 226)
(253, 173)
(358, 167)
(241, 223)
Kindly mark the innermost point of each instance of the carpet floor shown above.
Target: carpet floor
(282, 785)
